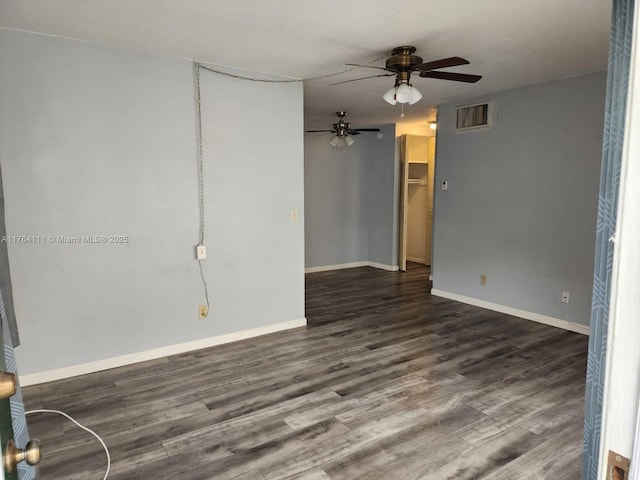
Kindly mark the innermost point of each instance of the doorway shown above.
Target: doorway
(417, 173)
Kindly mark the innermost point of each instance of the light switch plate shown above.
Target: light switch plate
(444, 185)
(201, 252)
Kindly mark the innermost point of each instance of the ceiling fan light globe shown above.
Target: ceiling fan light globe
(349, 140)
(415, 96)
(390, 96)
(379, 135)
(334, 141)
(403, 94)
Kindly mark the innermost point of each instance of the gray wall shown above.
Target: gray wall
(97, 140)
(382, 200)
(349, 200)
(522, 199)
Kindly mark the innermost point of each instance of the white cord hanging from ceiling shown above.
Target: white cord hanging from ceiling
(292, 80)
(201, 175)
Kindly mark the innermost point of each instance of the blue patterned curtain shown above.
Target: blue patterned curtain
(5, 275)
(614, 120)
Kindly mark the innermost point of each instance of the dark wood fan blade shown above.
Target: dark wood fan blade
(442, 63)
(456, 77)
(353, 132)
(367, 129)
(362, 78)
(319, 131)
(366, 66)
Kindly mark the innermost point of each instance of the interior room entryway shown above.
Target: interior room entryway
(417, 173)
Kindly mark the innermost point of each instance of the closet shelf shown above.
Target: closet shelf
(417, 181)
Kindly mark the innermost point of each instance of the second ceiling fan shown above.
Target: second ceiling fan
(402, 63)
(343, 132)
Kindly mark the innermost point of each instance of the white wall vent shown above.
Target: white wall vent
(473, 117)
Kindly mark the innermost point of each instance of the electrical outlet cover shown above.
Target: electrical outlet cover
(203, 311)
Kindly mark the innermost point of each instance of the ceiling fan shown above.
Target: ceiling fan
(343, 133)
(402, 63)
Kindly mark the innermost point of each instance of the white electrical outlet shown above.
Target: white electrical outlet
(565, 297)
(444, 185)
(201, 252)
(294, 216)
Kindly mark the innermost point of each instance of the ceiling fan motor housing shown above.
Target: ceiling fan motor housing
(403, 59)
(341, 128)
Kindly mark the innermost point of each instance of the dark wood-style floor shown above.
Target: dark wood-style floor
(386, 383)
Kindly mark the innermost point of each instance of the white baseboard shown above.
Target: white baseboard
(382, 266)
(417, 260)
(107, 363)
(341, 266)
(536, 317)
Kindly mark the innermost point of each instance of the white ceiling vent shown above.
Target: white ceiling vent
(473, 117)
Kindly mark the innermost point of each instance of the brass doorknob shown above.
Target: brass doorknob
(7, 385)
(13, 455)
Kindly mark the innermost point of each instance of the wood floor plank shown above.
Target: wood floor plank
(553, 420)
(253, 475)
(424, 446)
(218, 432)
(382, 402)
(413, 464)
(277, 451)
(317, 454)
(385, 382)
(313, 474)
(540, 462)
(571, 470)
(518, 412)
(481, 461)
(364, 461)
(381, 393)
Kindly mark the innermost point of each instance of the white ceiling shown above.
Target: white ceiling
(510, 42)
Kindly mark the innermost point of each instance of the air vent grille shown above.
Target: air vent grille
(471, 117)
